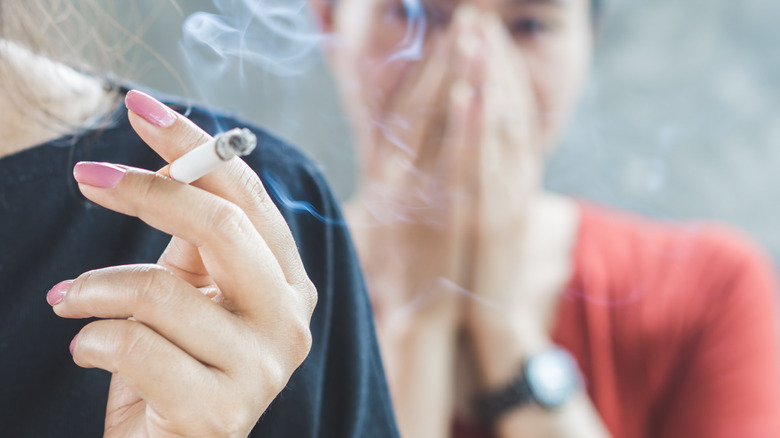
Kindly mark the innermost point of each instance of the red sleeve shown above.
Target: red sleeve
(728, 379)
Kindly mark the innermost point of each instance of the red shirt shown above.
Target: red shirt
(674, 328)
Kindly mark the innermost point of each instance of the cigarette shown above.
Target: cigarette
(205, 158)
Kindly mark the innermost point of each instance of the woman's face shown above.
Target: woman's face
(375, 43)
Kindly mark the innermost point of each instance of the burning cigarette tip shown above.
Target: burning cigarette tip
(236, 142)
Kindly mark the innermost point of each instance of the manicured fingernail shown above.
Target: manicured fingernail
(72, 344)
(57, 293)
(151, 109)
(102, 175)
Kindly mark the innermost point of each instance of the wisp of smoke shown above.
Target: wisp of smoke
(281, 195)
(274, 36)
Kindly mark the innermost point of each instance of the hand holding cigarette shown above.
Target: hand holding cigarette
(184, 364)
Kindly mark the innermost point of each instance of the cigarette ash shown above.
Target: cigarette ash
(236, 142)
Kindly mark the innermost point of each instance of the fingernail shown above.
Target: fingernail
(102, 175)
(72, 344)
(151, 109)
(57, 293)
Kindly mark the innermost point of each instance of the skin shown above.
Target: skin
(452, 144)
(183, 338)
(74, 104)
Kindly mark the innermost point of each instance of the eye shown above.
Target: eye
(404, 11)
(529, 27)
(396, 13)
(414, 11)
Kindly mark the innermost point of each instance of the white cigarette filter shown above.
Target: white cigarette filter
(205, 158)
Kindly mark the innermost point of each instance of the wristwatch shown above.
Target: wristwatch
(548, 379)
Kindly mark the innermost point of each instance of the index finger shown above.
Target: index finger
(172, 135)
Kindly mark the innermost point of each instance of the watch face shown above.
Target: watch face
(552, 378)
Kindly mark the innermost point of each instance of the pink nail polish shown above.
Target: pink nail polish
(57, 293)
(72, 344)
(151, 109)
(102, 175)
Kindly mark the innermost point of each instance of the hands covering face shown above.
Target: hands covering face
(200, 343)
(456, 157)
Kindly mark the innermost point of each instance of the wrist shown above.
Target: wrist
(501, 345)
(547, 380)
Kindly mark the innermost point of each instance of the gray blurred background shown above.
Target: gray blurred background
(681, 118)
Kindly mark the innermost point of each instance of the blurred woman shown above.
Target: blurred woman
(205, 340)
(577, 321)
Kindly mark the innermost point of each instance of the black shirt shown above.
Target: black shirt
(49, 232)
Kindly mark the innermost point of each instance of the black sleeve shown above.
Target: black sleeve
(340, 390)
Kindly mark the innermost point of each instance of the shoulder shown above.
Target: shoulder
(660, 293)
(636, 248)
(658, 278)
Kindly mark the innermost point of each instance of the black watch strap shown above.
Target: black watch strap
(516, 394)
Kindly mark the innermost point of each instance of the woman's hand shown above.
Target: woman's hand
(185, 364)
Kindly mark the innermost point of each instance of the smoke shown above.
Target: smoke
(261, 59)
(272, 36)
(281, 195)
